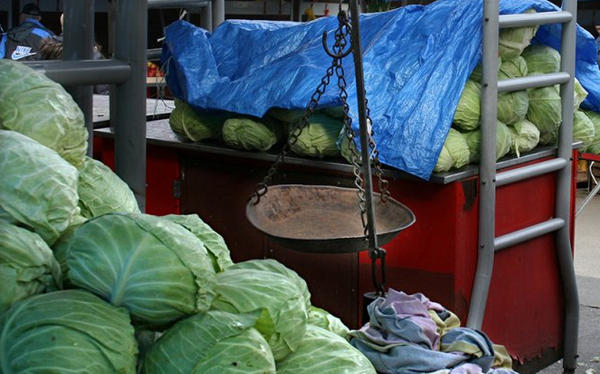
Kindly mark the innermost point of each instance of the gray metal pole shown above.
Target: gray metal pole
(487, 168)
(364, 127)
(79, 45)
(131, 30)
(206, 17)
(218, 9)
(563, 191)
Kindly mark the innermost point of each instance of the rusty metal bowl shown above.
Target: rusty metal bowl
(323, 219)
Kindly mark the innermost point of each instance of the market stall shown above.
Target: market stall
(492, 240)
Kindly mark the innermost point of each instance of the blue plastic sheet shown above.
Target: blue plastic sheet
(416, 62)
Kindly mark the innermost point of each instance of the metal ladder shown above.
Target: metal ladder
(489, 244)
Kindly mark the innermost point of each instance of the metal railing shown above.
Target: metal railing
(488, 243)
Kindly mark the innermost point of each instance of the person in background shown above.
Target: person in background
(24, 41)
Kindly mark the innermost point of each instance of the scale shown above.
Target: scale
(327, 219)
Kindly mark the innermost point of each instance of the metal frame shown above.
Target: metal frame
(126, 70)
(490, 180)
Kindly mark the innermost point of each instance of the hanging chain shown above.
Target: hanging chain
(342, 34)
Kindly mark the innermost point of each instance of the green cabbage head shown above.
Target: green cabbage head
(101, 191)
(319, 137)
(214, 342)
(278, 298)
(195, 126)
(250, 135)
(66, 332)
(542, 59)
(503, 142)
(455, 152)
(34, 105)
(468, 111)
(513, 41)
(38, 189)
(545, 111)
(583, 129)
(323, 319)
(595, 118)
(477, 74)
(27, 265)
(213, 242)
(580, 94)
(322, 351)
(512, 106)
(155, 268)
(525, 137)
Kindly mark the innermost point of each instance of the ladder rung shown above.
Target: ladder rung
(528, 233)
(531, 171)
(532, 19)
(532, 81)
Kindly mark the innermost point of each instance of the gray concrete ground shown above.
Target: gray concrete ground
(587, 268)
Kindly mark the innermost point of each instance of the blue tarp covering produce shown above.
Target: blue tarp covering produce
(416, 61)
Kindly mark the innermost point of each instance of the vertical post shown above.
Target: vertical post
(79, 45)
(364, 126)
(131, 32)
(206, 18)
(218, 16)
(563, 191)
(487, 167)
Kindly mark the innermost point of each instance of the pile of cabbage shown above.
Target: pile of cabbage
(89, 284)
(318, 139)
(526, 118)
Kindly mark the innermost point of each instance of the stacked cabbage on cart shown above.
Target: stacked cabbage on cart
(525, 118)
(88, 284)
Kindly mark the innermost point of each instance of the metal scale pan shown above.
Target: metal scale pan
(324, 219)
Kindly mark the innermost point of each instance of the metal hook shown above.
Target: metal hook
(330, 53)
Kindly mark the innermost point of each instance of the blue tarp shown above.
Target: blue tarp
(416, 62)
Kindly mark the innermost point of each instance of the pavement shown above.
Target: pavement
(587, 268)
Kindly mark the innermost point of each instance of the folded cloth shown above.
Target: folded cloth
(399, 319)
(409, 334)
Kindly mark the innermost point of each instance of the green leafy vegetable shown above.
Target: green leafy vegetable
(250, 135)
(318, 138)
(580, 94)
(513, 41)
(477, 74)
(583, 129)
(194, 125)
(545, 112)
(503, 142)
(155, 268)
(525, 137)
(468, 111)
(325, 320)
(217, 343)
(276, 267)
(282, 305)
(595, 118)
(34, 105)
(66, 332)
(213, 242)
(27, 265)
(286, 115)
(38, 189)
(324, 352)
(541, 59)
(512, 106)
(455, 152)
(101, 191)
